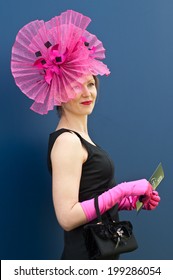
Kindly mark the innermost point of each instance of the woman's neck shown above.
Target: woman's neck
(76, 124)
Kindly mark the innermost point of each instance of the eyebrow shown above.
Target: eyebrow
(76, 83)
(91, 80)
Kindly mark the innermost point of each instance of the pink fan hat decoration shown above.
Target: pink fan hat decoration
(47, 57)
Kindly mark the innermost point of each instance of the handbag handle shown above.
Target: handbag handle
(96, 204)
(99, 217)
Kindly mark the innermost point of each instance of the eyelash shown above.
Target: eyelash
(91, 84)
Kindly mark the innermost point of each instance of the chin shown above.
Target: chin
(90, 113)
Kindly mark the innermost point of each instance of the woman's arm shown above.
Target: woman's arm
(67, 157)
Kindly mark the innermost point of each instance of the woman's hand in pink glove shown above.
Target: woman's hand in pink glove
(152, 202)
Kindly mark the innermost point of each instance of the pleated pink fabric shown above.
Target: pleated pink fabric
(47, 57)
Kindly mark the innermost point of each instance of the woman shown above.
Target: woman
(81, 170)
(56, 64)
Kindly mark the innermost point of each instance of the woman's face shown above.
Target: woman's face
(83, 103)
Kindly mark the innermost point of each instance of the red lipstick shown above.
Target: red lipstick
(86, 102)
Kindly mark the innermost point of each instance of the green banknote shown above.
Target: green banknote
(154, 180)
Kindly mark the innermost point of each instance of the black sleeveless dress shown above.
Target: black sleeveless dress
(97, 177)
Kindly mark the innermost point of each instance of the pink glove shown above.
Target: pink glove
(115, 195)
(152, 202)
(128, 203)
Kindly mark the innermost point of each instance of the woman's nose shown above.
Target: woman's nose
(86, 92)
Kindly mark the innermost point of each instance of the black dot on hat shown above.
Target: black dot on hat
(58, 59)
(38, 54)
(48, 44)
(43, 61)
(86, 44)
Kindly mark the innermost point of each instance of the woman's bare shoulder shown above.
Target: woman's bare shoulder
(66, 142)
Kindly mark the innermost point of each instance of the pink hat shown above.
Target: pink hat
(47, 57)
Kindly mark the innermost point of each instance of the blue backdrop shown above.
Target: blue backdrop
(132, 121)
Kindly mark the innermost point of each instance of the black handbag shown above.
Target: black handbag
(106, 239)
